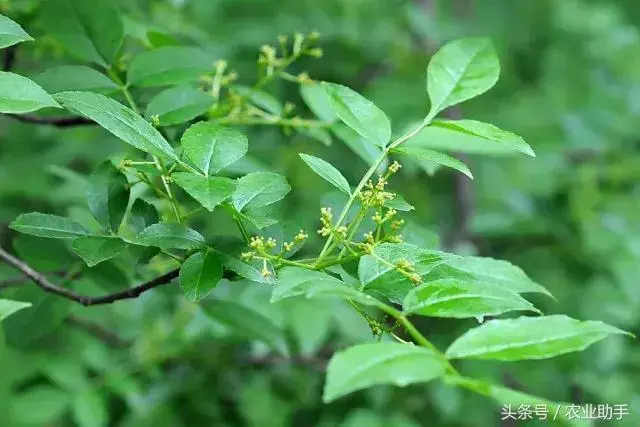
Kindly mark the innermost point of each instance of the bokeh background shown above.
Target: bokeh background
(570, 217)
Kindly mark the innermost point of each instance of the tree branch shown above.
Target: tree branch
(47, 286)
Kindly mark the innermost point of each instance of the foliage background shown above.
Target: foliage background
(569, 217)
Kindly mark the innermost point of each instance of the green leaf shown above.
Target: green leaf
(121, 121)
(488, 132)
(89, 409)
(462, 299)
(249, 270)
(170, 236)
(359, 113)
(449, 140)
(318, 101)
(399, 203)
(317, 134)
(434, 156)
(92, 31)
(296, 281)
(212, 147)
(75, 77)
(258, 217)
(18, 94)
(246, 322)
(200, 274)
(259, 189)
(51, 404)
(497, 272)
(95, 249)
(461, 70)
(529, 338)
(108, 195)
(261, 99)
(379, 276)
(327, 171)
(209, 191)
(8, 307)
(169, 65)
(367, 365)
(358, 144)
(178, 105)
(46, 225)
(142, 215)
(11, 33)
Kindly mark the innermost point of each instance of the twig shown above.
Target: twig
(47, 286)
(109, 337)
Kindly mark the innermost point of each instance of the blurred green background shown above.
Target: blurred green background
(570, 85)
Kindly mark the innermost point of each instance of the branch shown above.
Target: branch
(47, 286)
(61, 122)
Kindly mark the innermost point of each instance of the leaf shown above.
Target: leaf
(449, 140)
(262, 99)
(379, 276)
(367, 365)
(497, 272)
(488, 132)
(248, 270)
(92, 31)
(178, 105)
(358, 144)
(199, 275)
(259, 189)
(434, 156)
(51, 404)
(18, 94)
(327, 171)
(170, 236)
(318, 101)
(75, 77)
(121, 121)
(297, 281)
(11, 33)
(461, 70)
(108, 195)
(529, 338)
(142, 215)
(89, 409)
(46, 225)
(399, 203)
(212, 147)
(169, 65)
(8, 307)
(359, 113)
(318, 134)
(95, 249)
(462, 299)
(246, 322)
(209, 191)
